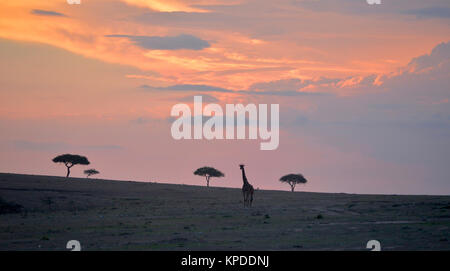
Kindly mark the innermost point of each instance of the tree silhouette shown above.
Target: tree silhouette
(208, 172)
(90, 172)
(293, 180)
(71, 160)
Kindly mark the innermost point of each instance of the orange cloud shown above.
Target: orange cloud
(235, 59)
(164, 5)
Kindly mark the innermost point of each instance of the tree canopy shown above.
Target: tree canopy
(293, 180)
(90, 172)
(208, 172)
(70, 160)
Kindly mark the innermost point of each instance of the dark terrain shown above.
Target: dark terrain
(44, 212)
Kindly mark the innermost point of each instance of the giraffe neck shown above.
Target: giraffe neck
(244, 178)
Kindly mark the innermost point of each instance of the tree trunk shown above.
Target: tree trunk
(292, 187)
(68, 172)
(207, 181)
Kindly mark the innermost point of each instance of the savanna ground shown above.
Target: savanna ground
(119, 215)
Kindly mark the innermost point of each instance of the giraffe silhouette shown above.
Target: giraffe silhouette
(247, 189)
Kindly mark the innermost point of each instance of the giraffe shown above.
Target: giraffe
(247, 189)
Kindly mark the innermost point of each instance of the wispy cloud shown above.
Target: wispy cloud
(59, 146)
(164, 5)
(205, 98)
(207, 88)
(188, 87)
(179, 42)
(422, 9)
(47, 13)
(431, 12)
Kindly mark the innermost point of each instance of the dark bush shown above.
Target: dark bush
(9, 207)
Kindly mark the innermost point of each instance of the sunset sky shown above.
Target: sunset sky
(363, 89)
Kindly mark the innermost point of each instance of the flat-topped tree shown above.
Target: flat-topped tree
(208, 172)
(71, 160)
(293, 180)
(90, 172)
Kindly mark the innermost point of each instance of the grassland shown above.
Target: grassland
(44, 212)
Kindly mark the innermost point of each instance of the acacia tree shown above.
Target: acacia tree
(293, 180)
(208, 172)
(71, 160)
(90, 172)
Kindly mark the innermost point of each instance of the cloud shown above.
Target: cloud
(179, 42)
(266, 69)
(339, 6)
(431, 12)
(147, 120)
(205, 98)
(419, 8)
(285, 93)
(189, 87)
(284, 85)
(164, 5)
(405, 120)
(256, 19)
(254, 91)
(58, 146)
(438, 56)
(292, 86)
(418, 70)
(102, 147)
(47, 146)
(47, 13)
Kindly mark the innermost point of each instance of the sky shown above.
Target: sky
(363, 90)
